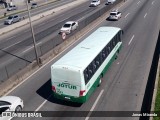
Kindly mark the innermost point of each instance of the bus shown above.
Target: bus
(76, 75)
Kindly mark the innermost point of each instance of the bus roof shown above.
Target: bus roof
(82, 54)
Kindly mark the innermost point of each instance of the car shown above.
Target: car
(110, 1)
(12, 19)
(10, 104)
(34, 5)
(95, 3)
(115, 15)
(69, 26)
(11, 7)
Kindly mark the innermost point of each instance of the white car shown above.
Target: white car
(110, 1)
(95, 3)
(69, 26)
(115, 15)
(10, 103)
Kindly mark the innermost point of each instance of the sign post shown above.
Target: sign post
(63, 35)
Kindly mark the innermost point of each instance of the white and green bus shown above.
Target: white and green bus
(77, 74)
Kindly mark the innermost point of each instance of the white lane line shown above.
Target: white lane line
(138, 2)
(52, 59)
(11, 37)
(153, 2)
(42, 104)
(94, 105)
(31, 47)
(11, 45)
(131, 40)
(80, 19)
(126, 15)
(145, 15)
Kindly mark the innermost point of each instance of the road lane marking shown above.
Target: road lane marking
(145, 15)
(87, 31)
(153, 2)
(11, 37)
(51, 7)
(11, 45)
(80, 19)
(42, 104)
(31, 47)
(126, 15)
(131, 40)
(138, 2)
(94, 105)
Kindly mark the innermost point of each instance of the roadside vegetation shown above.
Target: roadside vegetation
(157, 102)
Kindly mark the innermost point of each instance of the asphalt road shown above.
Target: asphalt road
(20, 41)
(35, 11)
(123, 85)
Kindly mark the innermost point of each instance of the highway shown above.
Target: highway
(35, 11)
(123, 86)
(20, 42)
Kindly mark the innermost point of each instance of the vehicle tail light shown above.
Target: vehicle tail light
(81, 92)
(53, 88)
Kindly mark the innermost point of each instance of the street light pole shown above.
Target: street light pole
(34, 41)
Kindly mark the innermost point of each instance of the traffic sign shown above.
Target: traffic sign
(63, 35)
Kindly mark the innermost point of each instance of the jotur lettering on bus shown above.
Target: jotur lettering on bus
(66, 85)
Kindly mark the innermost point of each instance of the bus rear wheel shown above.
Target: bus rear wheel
(100, 81)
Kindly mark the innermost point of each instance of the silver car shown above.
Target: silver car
(12, 7)
(12, 19)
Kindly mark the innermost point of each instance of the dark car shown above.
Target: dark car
(34, 5)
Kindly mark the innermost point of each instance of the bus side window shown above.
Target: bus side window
(94, 65)
(90, 71)
(86, 76)
(119, 36)
(114, 41)
(97, 61)
(104, 54)
(99, 58)
(107, 52)
(111, 45)
(109, 49)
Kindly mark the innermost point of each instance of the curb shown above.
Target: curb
(155, 89)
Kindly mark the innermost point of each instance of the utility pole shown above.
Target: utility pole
(34, 41)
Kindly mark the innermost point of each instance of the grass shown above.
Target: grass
(157, 102)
